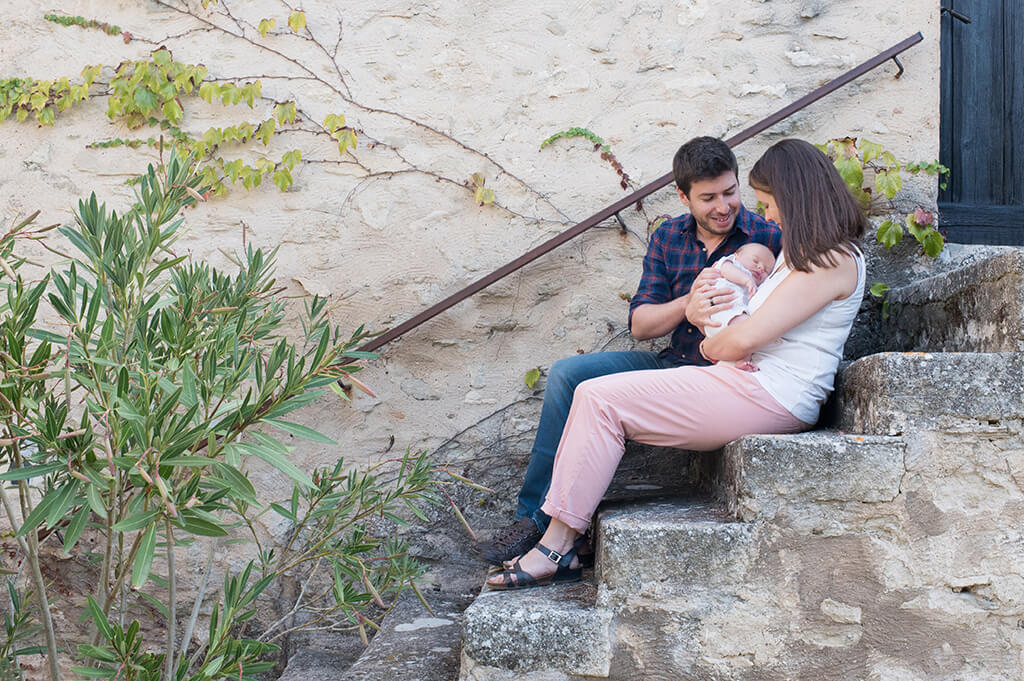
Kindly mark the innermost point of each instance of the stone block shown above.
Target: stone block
(976, 308)
(413, 645)
(761, 473)
(552, 631)
(892, 393)
(656, 549)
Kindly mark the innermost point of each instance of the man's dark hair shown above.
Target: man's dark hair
(702, 158)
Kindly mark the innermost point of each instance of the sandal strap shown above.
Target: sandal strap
(518, 578)
(559, 559)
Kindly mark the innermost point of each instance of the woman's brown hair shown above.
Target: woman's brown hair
(818, 212)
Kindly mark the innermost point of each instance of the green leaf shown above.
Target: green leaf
(75, 528)
(207, 91)
(888, 182)
(917, 230)
(297, 21)
(284, 512)
(276, 459)
(162, 57)
(236, 481)
(870, 150)
(889, 233)
(94, 611)
(172, 111)
(266, 130)
(26, 472)
(346, 139)
(283, 179)
(300, 431)
(64, 499)
(851, 171)
(137, 521)
(144, 558)
(933, 243)
(45, 116)
(265, 26)
(333, 122)
(879, 289)
(484, 196)
(285, 112)
(145, 100)
(531, 378)
(92, 495)
(203, 528)
(292, 157)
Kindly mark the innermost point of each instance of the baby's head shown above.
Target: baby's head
(757, 258)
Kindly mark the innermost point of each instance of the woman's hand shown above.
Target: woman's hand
(794, 300)
(706, 299)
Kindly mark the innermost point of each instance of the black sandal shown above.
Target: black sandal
(517, 578)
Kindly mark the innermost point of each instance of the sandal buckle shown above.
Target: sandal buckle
(553, 556)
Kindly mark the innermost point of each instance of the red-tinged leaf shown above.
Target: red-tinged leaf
(359, 384)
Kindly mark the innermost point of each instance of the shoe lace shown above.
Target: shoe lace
(509, 535)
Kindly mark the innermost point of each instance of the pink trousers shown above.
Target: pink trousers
(696, 408)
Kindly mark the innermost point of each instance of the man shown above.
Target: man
(705, 172)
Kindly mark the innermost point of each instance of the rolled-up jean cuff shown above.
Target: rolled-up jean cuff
(576, 522)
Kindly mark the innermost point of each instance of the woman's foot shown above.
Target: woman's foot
(538, 567)
(584, 554)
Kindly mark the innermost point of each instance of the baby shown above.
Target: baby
(742, 272)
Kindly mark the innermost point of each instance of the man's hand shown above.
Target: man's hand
(699, 308)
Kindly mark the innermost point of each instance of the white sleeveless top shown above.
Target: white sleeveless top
(799, 369)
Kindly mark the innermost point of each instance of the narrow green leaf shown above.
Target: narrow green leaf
(75, 528)
(300, 431)
(278, 461)
(92, 495)
(137, 521)
(26, 472)
(144, 558)
(94, 611)
(237, 481)
(198, 526)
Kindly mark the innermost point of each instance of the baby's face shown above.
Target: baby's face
(758, 259)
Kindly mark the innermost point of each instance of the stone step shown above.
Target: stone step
(647, 471)
(895, 392)
(763, 474)
(651, 550)
(975, 308)
(537, 634)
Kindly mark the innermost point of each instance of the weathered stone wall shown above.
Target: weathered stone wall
(471, 87)
(499, 78)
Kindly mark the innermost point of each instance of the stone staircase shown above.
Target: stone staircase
(889, 547)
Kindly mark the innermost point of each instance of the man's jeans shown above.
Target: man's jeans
(564, 376)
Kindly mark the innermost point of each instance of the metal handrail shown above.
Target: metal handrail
(643, 192)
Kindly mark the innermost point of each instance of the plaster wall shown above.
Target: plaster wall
(471, 87)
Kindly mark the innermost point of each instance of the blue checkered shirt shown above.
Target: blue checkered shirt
(674, 259)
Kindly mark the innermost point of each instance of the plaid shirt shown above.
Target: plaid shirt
(674, 259)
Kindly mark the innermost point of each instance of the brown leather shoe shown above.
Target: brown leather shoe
(511, 541)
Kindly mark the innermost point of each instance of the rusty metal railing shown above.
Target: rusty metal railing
(613, 209)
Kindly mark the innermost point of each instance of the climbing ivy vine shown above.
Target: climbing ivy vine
(151, 100)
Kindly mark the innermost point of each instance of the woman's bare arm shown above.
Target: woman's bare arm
(798, 297)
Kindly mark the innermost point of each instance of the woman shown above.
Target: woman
(800, 318)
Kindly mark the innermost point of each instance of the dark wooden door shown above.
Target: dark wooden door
(982, 127)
